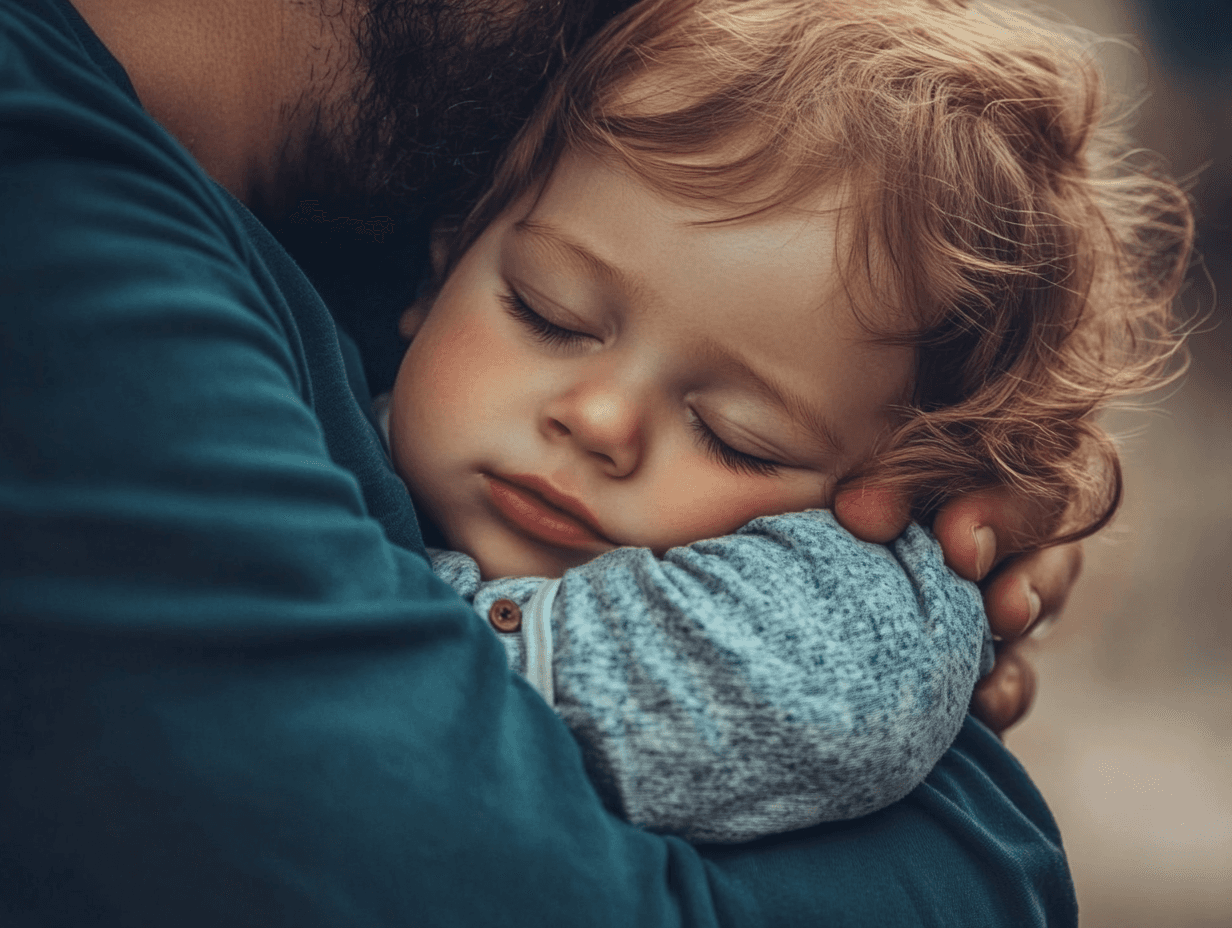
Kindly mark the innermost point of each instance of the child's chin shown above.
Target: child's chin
(498, 565)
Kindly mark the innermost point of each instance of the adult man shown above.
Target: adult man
(234, 693)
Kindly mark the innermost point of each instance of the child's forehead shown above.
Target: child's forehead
(601, 220)
(582, 179)
(696, 187)
(855, 267)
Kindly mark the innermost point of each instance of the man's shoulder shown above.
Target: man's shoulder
(66, 104)
(47, 40)
(89, 179)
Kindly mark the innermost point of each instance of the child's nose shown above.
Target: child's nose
(604, 420)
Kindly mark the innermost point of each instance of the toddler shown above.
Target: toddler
(747, 251)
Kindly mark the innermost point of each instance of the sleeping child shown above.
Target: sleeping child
(746, 252)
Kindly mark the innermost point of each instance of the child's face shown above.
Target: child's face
(599, 372)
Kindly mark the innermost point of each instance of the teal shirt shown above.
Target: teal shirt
(232, 692)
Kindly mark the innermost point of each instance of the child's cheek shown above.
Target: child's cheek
(458, 364)
(704, 503)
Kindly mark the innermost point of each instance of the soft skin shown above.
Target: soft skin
(662, 379)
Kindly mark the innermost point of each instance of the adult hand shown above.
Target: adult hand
(978, 535)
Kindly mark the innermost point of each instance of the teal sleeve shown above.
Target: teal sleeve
(231, 690)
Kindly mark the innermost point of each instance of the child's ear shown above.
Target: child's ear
(438, 245)
(438, 250)
(413, 317)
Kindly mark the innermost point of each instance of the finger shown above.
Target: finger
(1031, 588)
(871, 514)
(1004, 697)
(979, 530)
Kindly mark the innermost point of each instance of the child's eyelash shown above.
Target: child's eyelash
(728, 456)
(544, 331)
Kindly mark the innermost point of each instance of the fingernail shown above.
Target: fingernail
(1033, 605)
(1043, 628)
(985, 549)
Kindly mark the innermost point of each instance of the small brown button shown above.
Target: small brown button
(505, 616)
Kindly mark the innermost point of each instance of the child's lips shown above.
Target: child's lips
(537, 509)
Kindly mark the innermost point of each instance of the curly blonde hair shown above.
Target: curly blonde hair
(992, 203)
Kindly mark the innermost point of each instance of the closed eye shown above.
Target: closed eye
(729, 457)
(548, 333)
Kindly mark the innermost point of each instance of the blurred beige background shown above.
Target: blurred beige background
(1131, 737)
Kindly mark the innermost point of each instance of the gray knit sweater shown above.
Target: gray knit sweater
(785, 675)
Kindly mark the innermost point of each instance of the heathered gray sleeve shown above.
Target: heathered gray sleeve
(785, 675)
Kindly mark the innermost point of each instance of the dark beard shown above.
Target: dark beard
(443, 89)
(446, 84)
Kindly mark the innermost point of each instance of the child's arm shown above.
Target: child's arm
(766, 681)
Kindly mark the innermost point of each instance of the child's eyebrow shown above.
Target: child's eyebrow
(548, 235)
(798, 409)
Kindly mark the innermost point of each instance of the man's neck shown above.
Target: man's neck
(233, 80)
